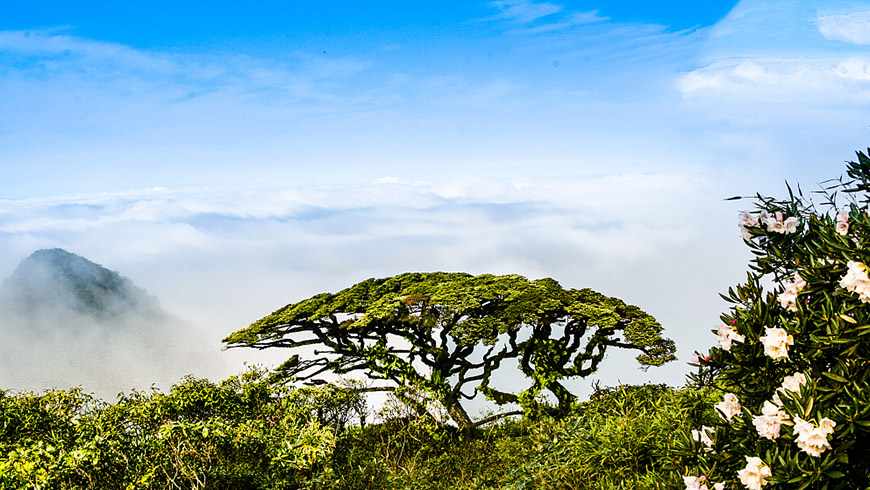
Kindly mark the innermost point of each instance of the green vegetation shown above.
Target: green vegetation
(793, 358)
(242, 433)
(782, 402)
(445, 334)
(245, 433)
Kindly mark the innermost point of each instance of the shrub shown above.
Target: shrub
(241, 433)
(794, 351)
(623, 437)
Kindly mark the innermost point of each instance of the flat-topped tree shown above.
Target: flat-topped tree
(446, 333)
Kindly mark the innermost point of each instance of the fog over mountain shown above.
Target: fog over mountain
(49, 282)
(66, 321)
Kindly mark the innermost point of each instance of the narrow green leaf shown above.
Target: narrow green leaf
(835, 377)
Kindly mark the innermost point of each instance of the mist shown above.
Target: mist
(217, 260)
(68, 322)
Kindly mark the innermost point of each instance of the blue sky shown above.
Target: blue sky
(106, 94)
(232, 158)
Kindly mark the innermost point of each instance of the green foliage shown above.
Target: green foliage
(623, 437)
(825, 330)
(244, 433)
(241, 433)
(460, 328)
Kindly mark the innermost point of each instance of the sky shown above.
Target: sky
(235, 157)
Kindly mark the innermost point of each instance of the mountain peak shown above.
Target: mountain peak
(55, 278)
(67, 321)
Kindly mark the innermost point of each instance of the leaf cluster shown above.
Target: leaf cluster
(830, 329)
(241, 433)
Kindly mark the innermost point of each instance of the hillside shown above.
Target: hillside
(51, 280)
(67, 321)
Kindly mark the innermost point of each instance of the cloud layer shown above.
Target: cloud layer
(222, 258)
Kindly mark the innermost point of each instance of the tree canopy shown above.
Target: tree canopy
(447, 333)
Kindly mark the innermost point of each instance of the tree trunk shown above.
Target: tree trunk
(566, 398)
(458, 414)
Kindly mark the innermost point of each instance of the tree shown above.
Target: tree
(793, 353)
(444, 333)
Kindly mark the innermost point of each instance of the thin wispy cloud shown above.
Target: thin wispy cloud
(747, 60)
(759, 94)
(52, 55)
(161, 205)
(524, 10)
(529, 17)
(570, 20)
(616, 217)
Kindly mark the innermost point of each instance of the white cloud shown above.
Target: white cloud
(223, 257)
(620, 193)
(53, 47)
(467, 223)
(851, 28)
(782, 78)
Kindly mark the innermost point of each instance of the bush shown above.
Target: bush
(241, 433)
(623, 437)
(244, 433)
(794, 350)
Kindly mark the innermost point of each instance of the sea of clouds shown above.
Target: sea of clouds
(221, 258)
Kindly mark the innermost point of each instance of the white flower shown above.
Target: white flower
(799, 282)
(692, 483)
(826, 425)
(728, 334)
(776, 400)
(791, 384)
(696, 483)
(703, 436)
(811, 439)
(752, 476)
(794, 382)
(856, 280)
(748, 220)
(769, 422)
(856, 273)
(729, 406)
(778, 225)
(775, 225)
(776, 341)
(843, 222)
(788, 298)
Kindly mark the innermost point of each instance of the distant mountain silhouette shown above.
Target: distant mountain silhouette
(66, 321)
(54, 279)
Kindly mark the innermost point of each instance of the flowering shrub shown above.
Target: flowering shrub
(793, 361)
